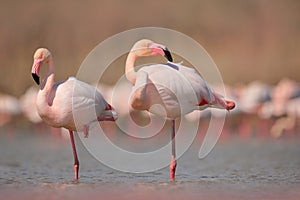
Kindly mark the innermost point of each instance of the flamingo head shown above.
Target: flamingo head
(147, 47)
(40, 56)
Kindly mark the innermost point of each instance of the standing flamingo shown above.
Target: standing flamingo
(57, 102)
(9, 107)
(28, 105)
(176, 88)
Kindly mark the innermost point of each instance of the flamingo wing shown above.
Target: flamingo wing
(76, 102)
(201, 88)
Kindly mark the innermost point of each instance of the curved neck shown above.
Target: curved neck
(47, 82)
(129, 68)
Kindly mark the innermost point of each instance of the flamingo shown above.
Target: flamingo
(28, 105)
(9, 107)
(283, 106)
(167, 84)
(57, 102)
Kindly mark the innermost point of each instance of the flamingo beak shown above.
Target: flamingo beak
(168, 54)
(36, 78)
(35, 70)
(159, 49)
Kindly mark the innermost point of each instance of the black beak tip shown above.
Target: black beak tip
(168, 55)
(36, 78)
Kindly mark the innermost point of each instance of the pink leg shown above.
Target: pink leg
(173, 161)
(76, 162)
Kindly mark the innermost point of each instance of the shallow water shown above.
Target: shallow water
(40, 166)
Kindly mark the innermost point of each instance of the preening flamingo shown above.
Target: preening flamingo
(176, 88)
(57, 102)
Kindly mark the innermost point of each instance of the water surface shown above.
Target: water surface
(40, 166)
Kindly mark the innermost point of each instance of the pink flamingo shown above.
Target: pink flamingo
(284, 107)
(9, 107)
(174, 87)
(57, 102)
(28, 105)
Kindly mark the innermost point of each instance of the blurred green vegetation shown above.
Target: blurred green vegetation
(248, 40)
